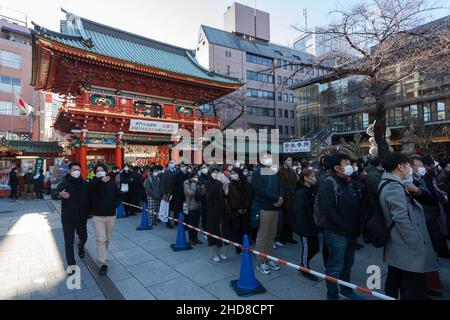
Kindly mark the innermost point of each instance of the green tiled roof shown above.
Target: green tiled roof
(125, 46)
(266, 49)
(35, 147)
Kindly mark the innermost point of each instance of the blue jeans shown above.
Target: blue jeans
(341, 256)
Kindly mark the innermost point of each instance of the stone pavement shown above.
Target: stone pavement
(32, 261)
(142, 265)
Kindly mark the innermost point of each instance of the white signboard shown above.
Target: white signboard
(153, 126)
(297, 146)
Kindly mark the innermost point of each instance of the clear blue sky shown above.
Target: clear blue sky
(177, 21)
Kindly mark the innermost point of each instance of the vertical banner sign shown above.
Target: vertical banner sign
(39, 165)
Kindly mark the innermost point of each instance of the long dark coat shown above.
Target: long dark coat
(217, 219)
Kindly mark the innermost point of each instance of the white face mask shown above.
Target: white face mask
(245, 173)
(126, 169)
(75, 174)
(421, 171)
(267, 162)
(204, 170)
(100, 174)
(214, 175)
(183, 169)
(155, 173)
(234, 177)
(348, 170)
(355, 169)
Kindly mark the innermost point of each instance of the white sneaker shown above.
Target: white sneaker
(223, 257)
(279, 244)
(216, 259)
(272, 265)
(263, 268)
(274, 246)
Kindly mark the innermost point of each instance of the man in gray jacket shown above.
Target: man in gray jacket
(408, 252)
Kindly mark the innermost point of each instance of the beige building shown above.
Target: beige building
(243, 50)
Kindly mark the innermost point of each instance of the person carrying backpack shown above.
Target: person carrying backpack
(337, 211)
(408, 250)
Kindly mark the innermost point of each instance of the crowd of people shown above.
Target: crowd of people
(34, 184)
(324, 201)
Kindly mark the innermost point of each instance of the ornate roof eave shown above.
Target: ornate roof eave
(126, 66)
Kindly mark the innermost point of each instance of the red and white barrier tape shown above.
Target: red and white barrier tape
(280, 261)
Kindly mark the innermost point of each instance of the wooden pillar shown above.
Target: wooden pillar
(119, 150)
(83, 153)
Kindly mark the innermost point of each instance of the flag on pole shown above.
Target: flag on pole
(24, 107)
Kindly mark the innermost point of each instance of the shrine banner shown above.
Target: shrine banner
(153, 126)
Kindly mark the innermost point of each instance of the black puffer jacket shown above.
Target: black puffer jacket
(303, 212)
(76, 207)
(104, 198)
(345, 217)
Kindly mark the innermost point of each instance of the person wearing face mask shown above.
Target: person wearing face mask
(444, 176)
(193, 192)
(168, 182)
(13, 183)
(29, 183)
(217, 221)
(239, 201)
(128, 181)
(202, 179)
(74, 195)
(408, 252)
(303, 219)
(288, 180)
(420, 192)
(104, 199)
(341, 208)
(441, 198)
(176, 204)
(38, 181)
(267, 202)
(114, 174)
(153, 190)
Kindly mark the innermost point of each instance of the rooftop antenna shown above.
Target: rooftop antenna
(305, 15)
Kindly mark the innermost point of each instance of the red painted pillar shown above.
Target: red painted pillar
(83, 154)
(119, 150)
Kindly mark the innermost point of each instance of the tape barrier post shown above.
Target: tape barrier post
(120, 212)
(282, 262)
(247, 285)
(145, 225)
(181, 243)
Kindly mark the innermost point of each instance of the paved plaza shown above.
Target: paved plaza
(141, 264)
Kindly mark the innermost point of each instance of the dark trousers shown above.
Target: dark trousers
(193, 219)
(13, 194)
(286, 233)
(310, 247)
(240, 226)
(341, 256)
(69, 228)
(39, 192)
(412, 285)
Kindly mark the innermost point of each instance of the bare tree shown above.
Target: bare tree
(230, 108)
(390, 44)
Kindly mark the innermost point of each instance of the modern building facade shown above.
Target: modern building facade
(339, 108)
(320, 45)
(243, 50)
(15, 78)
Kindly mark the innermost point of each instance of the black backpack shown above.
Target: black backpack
(375, 231)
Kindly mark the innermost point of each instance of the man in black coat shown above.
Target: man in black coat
(39, 184)
(74, 211)
(104, 198)
(168, 183)
(13, 182)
